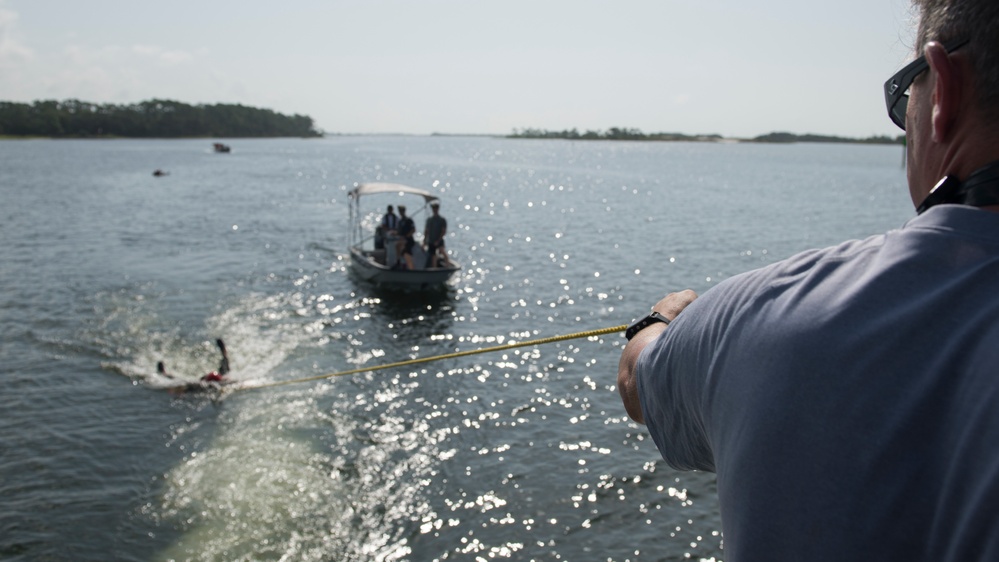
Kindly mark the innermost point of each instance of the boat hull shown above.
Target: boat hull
(366, 266)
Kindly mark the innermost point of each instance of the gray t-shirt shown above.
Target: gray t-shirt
(435, 228)
(847, 398)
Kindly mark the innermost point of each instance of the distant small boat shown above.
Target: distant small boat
(379, 265)
(160, 173)
(219, 147)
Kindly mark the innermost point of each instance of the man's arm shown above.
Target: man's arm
(627, 382)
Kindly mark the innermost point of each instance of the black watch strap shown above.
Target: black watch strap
(645, 323)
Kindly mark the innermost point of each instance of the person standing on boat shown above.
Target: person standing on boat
(848, 398)
(433, 237)
(387, 227)
(406, 230)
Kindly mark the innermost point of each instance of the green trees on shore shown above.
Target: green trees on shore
(791, 137)
(153, 118)
(615, 133)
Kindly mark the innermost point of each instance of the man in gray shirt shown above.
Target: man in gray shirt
(848, 398)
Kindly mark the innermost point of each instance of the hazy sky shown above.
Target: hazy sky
(732, 67)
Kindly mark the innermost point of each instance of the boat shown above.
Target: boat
(375, 260)
(219, 147)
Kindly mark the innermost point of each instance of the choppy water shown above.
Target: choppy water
(525, 454)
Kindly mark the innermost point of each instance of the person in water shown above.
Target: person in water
(213, 378)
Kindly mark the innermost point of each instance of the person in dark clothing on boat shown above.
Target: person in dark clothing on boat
(210, 380)
(406, 230)
(433, 237)
(388, 226)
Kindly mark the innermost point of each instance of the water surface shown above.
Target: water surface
(521, 454)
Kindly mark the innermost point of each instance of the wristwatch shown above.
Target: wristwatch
(645, 323)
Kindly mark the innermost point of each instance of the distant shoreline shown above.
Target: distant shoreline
(75, 119)
(120, 137)
(637, 135)
(770, 138)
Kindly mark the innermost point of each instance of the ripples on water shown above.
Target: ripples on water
(519, 454)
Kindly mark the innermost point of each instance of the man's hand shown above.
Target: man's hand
(627, 384)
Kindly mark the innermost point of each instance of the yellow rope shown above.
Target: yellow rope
(542, 341)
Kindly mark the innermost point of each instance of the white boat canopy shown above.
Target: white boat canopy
(372, 188)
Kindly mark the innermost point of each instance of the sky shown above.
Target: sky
(737, 68)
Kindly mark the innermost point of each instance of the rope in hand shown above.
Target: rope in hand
(541, 341)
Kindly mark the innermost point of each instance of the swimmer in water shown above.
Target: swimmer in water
(213, 379)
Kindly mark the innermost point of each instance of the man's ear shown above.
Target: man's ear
(947, 90)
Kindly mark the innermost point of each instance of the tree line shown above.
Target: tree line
(791, 137)
(153, 118)
(617, 133)
(614, 133)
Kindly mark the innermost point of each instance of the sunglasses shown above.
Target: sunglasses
(897, 87)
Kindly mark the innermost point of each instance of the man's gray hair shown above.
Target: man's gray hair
(977, 20)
